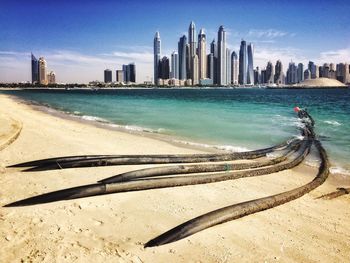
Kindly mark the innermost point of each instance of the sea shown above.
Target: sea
(236, 119)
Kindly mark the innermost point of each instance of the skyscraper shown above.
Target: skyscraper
(51, 78)
(108, 76)
(192, 39)
(250, 72)
(257, 76)
(182, 57)
(292, 73)
(156, 52)
(269, 76)
(222, 70)
(42, 71)
(243, 67)
(164, 68)
(279, 78)
(120, 76)
(312, 68)
(174, 65)
(195, 69)
(202, 54)
(214, 51)
(210, 67)
(234, 68)
(35, 70)
(130, 73)
(300, 72)
(228, 66)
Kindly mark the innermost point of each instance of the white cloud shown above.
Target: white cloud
(334, 56)
(268, 33)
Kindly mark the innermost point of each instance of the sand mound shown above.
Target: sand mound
(321, 82)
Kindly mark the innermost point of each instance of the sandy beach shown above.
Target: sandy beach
(115, 227)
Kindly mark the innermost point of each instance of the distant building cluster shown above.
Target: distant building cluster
(126, 75)
(40, 74)
(297, 73)
(191, 65)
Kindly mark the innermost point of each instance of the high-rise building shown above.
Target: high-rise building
(228, 67)
(174, 65)
(250, 73)
(269, 78)
(108, 76)
(195, 69)
(313, 68)
(263, 76)
(156, 52)
(130, 73)
(202, 54)
(279, 78)
(164, 68)
(222, 70)
(188, 62)
(307, 74)
(292, 73)
(192, 39)
(182, 57)
(210, 66)
(300, 72)
(35, 70)
(42, 71)
(214, 51)
(257, 76)
(51, 78)
(234, 68)
(243, 67)
(120, 76)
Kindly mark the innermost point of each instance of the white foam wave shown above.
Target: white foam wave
(93, 118)
(229, 148)
(339, 170)
(334, 123)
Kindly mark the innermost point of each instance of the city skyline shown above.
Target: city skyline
(79, 49)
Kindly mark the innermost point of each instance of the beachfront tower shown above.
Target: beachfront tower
(243, 67)
(234, 68)
(300, 72)
(156, 52)
(42, 71)
(222, 69)
(279, 78)
(182, 58)
(195, 69)
(174, 72)
(250, 73)
(202, 55)
(35, 70)
(228, 66)
(269, 73)
(108, 76)
(192, 40)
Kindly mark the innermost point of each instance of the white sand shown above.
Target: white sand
(114, 228)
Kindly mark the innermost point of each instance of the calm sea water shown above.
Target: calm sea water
(234, 119)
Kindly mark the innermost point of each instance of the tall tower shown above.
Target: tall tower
(42, 71)
(250, 73)
(182, 57)
(108, 76)
(228, 66)
(214, 52)
(202, 54)
(156, 52)
(279, 72)
(192, 39)
(174, 65)
(222, 70)
(269, 73)
(35, 70)
(234, 68)
(300, 72)
(195, 70)
(243, 67)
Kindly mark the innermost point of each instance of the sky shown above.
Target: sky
(79, 39)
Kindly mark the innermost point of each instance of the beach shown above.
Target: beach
(115, 227)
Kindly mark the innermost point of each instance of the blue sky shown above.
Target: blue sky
(79, 39)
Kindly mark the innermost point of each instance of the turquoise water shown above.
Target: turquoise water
(234, 119)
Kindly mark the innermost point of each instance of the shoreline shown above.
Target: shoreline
(114, 227)
(145, 132)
